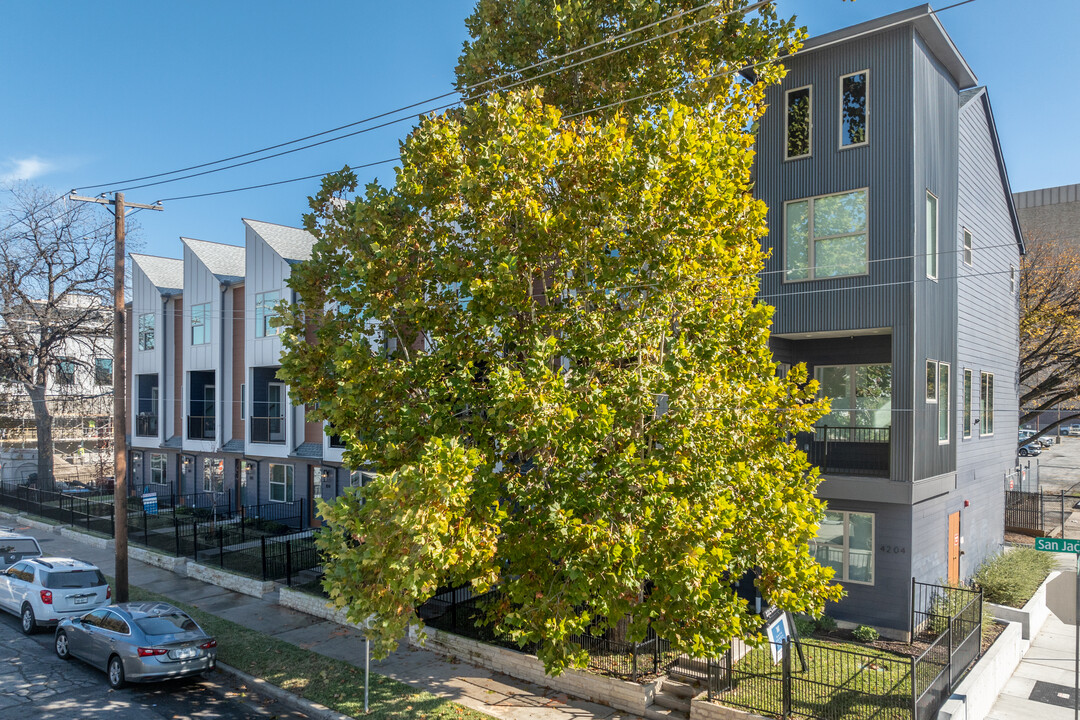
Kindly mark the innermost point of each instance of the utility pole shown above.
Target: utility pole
(120, 390)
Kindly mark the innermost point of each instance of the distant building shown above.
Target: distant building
(1051, 213)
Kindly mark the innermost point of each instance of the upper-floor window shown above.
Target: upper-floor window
(65, 372)
(943, 402)
(103, 371)
(1012, 278)
(986, 404)
(200, 328)
(931, 381)
(967, 247)
(146, 331)
(931, 235)
(967, 403)
(797, 134)
(264, 312)
(826, 236)
(860, 395)
(853, 94)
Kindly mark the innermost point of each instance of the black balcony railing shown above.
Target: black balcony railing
(146, 424)
(201, 427)
(267, 423)
(849, 450)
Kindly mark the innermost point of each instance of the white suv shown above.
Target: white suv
(43, 591)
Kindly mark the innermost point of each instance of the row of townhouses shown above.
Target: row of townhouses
(894, 248)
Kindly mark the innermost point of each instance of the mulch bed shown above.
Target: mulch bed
(912, 649)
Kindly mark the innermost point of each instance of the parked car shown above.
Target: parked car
(1045, 441)
(44, 591)
(1071, 430)
(137, 642)
(1029, 450)
(15, 547)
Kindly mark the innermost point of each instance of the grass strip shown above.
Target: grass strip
(333, 683)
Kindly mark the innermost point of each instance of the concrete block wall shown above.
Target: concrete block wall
(313, 605)
(166, 562)
(703, 709)
(230, 581)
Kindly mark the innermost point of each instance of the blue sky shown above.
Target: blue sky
(101, 92)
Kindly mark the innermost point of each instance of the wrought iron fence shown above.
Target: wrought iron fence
(950, 618)
(1024, 512)
(855, 450)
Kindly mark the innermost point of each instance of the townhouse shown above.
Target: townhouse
(894, 247)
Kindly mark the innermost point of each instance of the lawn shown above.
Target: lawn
(844, 681)
(333, 683)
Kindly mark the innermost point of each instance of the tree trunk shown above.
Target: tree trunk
(44, 425)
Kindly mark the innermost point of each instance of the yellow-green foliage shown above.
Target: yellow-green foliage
(1013, 577)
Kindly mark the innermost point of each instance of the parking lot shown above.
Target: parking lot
(1057, 468)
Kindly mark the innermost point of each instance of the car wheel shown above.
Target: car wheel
(61, 644)
(29, 623)
(116, 673)
(1023, 453)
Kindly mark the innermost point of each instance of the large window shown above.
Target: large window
(158, 469)
(798, 123)
(826, 236)
(986, 404)
(65, 371)
(264, 312)
(943, 402)
(200, 328)
(860, 395)
(931, 236)
(853, 94)
(146, 331)
(281, 483)
(967, 403)
(845, 542)
(103, 371)
(213, 475)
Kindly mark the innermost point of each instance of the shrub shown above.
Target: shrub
(826, 624)
(1013, 577)
(805, 625)
(181, 511)
(865, 634)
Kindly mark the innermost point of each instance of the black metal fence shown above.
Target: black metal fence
(260, 541)
(951, 619)
(1024, 512)
(855, 450)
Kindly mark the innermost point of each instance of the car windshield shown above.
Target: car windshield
(24, 546)
(74, 579)
(167, 624)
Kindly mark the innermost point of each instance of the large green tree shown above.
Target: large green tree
(544, 337)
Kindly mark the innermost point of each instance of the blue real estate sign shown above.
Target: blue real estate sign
(778, 631)
(149, 503)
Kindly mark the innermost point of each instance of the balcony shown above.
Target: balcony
(201, 427)
(146, 424)
(267, 423)
(849, 450)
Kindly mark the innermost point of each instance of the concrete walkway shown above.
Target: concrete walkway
(1042, 686)
(492, 693)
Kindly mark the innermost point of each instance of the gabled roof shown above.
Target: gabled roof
(967, 97)
(925, 21)
(226, 262)
(167, 274)
(292, 244)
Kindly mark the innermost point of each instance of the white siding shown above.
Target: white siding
(145, 298)
(201, 286)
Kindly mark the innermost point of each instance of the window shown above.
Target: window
(798, 123)
(281, 483)
(158, 469)
(243, 401)
(200, 329)
(845, 542)
(967, 403)
(986, 404)
(213, 475)
(943, 402)
(931, 381)
(931, 236)
(146, 331)
(359, 478)
(1012, 278)
(967, 247)
(853, 93)
(826, 236)
(861, 395)
(264, 312)
(103, 371)
(65, 371)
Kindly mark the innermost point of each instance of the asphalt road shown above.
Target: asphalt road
(1058, 466)
(37, 685)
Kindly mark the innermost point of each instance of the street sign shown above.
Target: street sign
(1057, 545)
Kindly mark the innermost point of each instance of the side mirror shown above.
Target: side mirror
(76, 621)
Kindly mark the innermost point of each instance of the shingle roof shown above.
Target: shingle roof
(967, 96)
(226, 262)
(167, 274)
(174, 442)
(292, 244)
(233, 446)
(309, 450)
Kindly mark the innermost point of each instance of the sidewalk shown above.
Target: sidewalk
(492, 693)
(1042, 686)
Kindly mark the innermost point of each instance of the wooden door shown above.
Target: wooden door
(954, 548)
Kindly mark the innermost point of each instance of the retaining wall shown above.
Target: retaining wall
(177, 565)
(314, 605)
(230, 581)
(95, 540)
(1032, 616)
(703, 709)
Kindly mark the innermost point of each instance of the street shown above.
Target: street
(37, 685)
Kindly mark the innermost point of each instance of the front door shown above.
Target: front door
(954, 548)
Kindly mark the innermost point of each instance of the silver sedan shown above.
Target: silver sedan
(137, 642)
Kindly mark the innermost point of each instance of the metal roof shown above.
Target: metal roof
(226, 262)
(292, 244)
(167, 274)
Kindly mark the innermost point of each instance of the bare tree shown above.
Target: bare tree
(55, 279)
(1050, 330)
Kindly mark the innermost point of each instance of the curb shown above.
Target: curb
(311, 709)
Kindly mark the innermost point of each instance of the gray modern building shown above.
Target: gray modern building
(894, 251)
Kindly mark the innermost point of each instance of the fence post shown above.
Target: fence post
(914, 690)
(1062, 513)
(633, 662)
(262, 544)
(176, 532)
(950, 658)
(786, 650)
(288, 563)
(195, 540)
(145, 528)
(221, 546)
(71, 513)
(911, 622)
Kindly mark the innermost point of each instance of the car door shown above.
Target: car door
(19, 577)
(81, 634)
(5, 587)
(113, 630)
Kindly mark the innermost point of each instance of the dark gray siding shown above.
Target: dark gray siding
(987, 327)
(882, 299)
